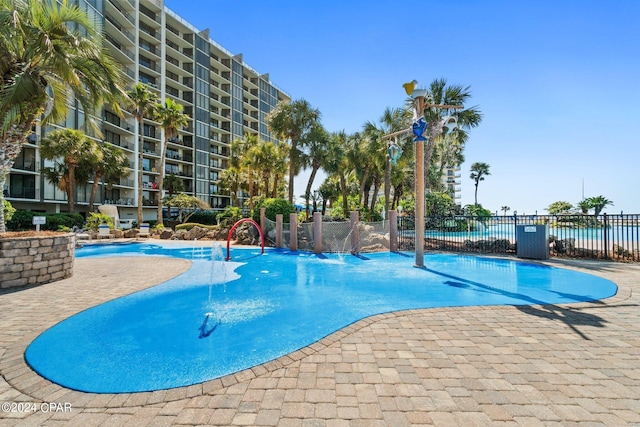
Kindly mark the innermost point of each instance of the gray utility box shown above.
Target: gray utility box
(532, 241)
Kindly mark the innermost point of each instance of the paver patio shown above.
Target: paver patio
(562, 365)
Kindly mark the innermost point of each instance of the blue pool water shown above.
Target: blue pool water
(221, 317)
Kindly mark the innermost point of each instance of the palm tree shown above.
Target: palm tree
(142, 102)
(173, 184)
(478, 172)
(584, 206)
(505, 209)
(290, 122)
(438, 92)
(337, 163)
(392, 120)
(318, 147)
(48, 50)
(230, 180)
(171, 118)
(72, 147)
(598, 203)
(108, 162)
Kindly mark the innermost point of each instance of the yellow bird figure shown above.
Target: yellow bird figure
(409, 87)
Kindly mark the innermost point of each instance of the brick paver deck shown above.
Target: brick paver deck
(561, 365)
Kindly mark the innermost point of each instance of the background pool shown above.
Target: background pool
(221, 317)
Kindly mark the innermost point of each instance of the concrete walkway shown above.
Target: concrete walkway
(551, 365)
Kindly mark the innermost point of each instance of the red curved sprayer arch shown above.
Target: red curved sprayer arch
(234, 227)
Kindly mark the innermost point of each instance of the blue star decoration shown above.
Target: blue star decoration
(419, 126)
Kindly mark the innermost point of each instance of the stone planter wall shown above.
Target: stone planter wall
(35, 260)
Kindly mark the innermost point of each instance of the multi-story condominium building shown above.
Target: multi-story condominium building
(224, 98)
(451, 180)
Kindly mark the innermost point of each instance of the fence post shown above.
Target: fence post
(606, 239)
(293, 231)
(263, 222)
(393, 231)
(355, 232)
(317, 232)
(278, 230)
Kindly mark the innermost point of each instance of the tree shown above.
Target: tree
(478, 172)
(392, 120)
(290, 122)
(598, 203)
(584, 206)
(141, 102)
(438, 92)
(318, 146)
(72, 147)
(108, 162)
(560, 207)
(171, 118)
(505, 209)
(173, 184)
(48, 50)
(187, 205)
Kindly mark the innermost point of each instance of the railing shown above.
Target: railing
(604, 236)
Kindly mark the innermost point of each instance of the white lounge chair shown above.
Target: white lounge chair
(104, 232)
(112, 211)
(144, 230)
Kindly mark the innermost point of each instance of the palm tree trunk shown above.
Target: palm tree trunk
(163, 156)
(374, 198)
(314, 170)
(387, 185)
(71, 189)
(94, 190)
(292, 169)
(476, 194)
(343, 189)
(140, 160)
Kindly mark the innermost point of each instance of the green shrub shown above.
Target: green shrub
(95, 219)
(204, 217)
(272, 208)
(229, 216)
(8, 211)
(23, 220)
(67, 220)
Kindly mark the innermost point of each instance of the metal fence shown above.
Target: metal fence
(604, 236)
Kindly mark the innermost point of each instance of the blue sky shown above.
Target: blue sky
(557, 82)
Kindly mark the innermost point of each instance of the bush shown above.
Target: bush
(23, 220)
(274, 207)
(95, 219)
(204, 217)
(8, 210)
(229, 216)
(67, 220)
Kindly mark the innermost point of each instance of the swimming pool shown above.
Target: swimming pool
(221, 317)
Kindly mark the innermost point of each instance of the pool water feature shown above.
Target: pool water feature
(221, 317)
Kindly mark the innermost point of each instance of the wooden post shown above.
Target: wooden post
(293, 231)
(393, 231)
(263, 222)
(355, 232)
(278, 230)
(317, 232)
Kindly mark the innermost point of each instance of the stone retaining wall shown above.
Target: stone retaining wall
(35, 260)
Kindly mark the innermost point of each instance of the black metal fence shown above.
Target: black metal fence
(615, 237)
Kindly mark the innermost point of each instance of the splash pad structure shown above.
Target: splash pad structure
(229, 236)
